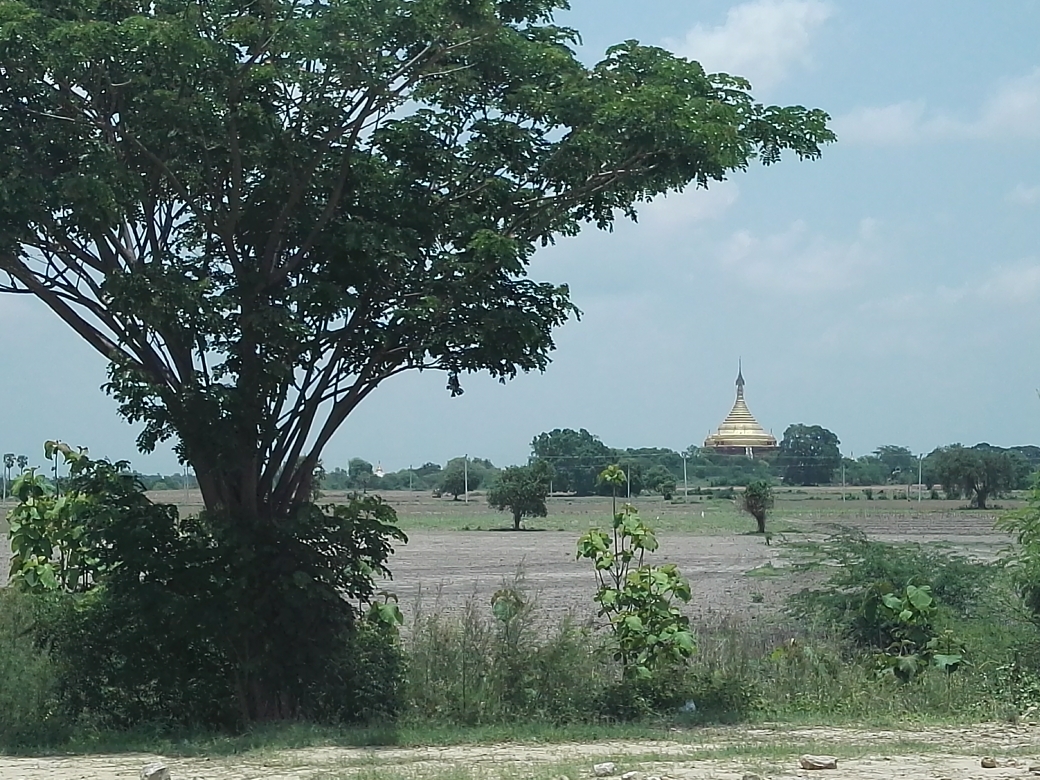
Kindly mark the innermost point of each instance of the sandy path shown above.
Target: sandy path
(924, 754)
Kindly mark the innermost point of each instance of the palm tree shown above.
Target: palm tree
(23, 463)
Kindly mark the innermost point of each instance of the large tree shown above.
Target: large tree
(976, 472)
(809, 455)
(258, 213)
(577, 458)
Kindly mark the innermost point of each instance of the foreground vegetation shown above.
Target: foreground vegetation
(887, 633)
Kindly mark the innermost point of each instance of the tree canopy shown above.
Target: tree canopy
(977, 472)
(809, 455)
(259, 214)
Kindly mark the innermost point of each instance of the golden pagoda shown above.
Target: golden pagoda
(740, 433)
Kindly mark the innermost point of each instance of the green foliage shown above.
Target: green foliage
(861, 572)
(976, 472)
(244, 630)
(809, 455)
(632, 484)
(32, 710)
(907, 616)
(502, 665)
(521, 491)
(259, 215)
(719, 469)
(577, 457)
(757, 499)
(660, 480)
(1024, 559)
(457, 477)
(51, 543)
(650, 633)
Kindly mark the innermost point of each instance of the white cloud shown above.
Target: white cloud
(1012, 285)
(797, 261)
(693, 205)
(1011, 111)
(1022, 195)
(760, 40)
(997, 291)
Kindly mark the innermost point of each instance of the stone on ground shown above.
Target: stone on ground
(818, 762)
(155, 771)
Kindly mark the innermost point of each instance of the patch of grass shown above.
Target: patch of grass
(766, 570)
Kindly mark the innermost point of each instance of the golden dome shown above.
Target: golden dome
(740, 430)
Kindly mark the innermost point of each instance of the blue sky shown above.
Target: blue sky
(888, 291)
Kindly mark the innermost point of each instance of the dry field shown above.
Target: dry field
(459, 550)
(719, 754)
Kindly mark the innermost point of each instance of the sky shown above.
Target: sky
(888, 291)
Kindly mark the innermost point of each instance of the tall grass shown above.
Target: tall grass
(31, 711)
(486, 665)
(810, 672)
(507, 669)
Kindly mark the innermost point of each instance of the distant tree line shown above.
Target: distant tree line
(808, 455)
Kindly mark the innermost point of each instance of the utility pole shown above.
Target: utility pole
(185, 483)
(685, 481)
(920, 481)
(465, 474)
(628, 480)
(843, 480)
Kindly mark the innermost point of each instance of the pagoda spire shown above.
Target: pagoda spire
(740, 431)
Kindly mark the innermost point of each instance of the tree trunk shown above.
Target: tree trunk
(761, 519)
(270, 625)
(517, 518)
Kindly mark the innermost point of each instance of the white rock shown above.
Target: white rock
(989, 763)
(155, 771)
(629, 776)
(818, 762)
(606, 769)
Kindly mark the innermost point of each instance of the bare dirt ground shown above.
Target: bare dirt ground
(452, 566)
(720, 754)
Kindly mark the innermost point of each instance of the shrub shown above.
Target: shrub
(1024, 559)
(32, 711)
(502, 662)
(174, 623)
(650, 633)
(862, 571)
(757, 500)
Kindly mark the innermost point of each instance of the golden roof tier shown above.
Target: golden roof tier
(740, 431)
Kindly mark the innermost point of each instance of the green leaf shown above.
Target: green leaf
(920, 597)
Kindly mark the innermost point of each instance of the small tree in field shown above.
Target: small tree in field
(522, 490)
(757, 500)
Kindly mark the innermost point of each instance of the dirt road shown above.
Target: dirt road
(720, 754)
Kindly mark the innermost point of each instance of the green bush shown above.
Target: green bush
(859, 569)
(32, 711)
(175, 622)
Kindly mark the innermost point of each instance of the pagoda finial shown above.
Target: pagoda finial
(740, 378)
